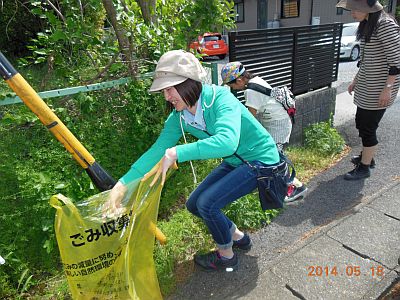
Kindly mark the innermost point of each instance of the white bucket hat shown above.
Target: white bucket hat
(175, 67)
(365, 6)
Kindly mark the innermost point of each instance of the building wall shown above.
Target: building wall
(303, 19)
(327, 12)
(324, 9)
(250, 16)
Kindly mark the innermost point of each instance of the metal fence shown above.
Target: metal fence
(303, 58)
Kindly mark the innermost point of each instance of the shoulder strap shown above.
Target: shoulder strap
(259, 88)
(284, 158)
(237, 155)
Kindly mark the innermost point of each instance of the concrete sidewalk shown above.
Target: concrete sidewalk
(341, 242)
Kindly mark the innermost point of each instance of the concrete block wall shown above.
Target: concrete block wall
(312, 107)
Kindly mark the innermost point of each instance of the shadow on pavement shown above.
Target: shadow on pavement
(328, 200)
(206, 285)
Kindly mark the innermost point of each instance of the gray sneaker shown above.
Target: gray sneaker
(244, 243)
(213, 261)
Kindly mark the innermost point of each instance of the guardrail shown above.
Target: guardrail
(212, 77)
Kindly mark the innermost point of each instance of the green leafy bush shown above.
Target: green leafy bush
(246, 213)
(323, 138)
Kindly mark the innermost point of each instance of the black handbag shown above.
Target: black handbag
(273, 181)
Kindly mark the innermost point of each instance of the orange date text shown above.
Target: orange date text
(346, 270)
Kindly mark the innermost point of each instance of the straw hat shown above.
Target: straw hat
(175, 67)
(365, 6)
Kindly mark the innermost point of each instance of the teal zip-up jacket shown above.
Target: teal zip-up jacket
(231, 126)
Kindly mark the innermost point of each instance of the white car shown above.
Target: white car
(349, 46)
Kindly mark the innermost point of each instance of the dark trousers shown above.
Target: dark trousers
(367, 122)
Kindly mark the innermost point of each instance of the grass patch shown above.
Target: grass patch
(309, 163)
(186, 235)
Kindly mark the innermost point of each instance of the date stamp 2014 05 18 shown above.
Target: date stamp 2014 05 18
(346, 270)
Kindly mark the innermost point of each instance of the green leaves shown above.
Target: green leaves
(324, 139)
(246, 213)
(116, 125)
(72, 37)
(22, 118)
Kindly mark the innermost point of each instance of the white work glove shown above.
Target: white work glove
(113, 207)
(168, 160)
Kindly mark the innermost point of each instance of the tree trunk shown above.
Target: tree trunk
(125, 46)
(148, 8)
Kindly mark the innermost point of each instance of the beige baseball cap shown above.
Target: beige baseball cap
(365, 6)
(175, 67)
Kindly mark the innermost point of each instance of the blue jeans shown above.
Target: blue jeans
(222, 186)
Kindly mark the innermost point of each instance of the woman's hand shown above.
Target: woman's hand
(112, 207)
(384, 97)
(168, 160)
(350, 88)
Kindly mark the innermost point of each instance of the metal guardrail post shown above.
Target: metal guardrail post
(214, 73)
(339, 28)
(231, 43)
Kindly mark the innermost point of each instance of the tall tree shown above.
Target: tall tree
(124, 43)
(148, 9)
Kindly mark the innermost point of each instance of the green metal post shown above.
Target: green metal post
(214, 73)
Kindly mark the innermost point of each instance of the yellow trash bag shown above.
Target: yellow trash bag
(110, 258)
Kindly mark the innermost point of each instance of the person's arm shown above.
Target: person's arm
(254, 101)
(168, 138)
(353, 84)
(114, 202)
(225, 113)
(386, 94)
(388, 34)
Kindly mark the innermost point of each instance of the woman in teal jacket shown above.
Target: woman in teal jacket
(224, 127)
